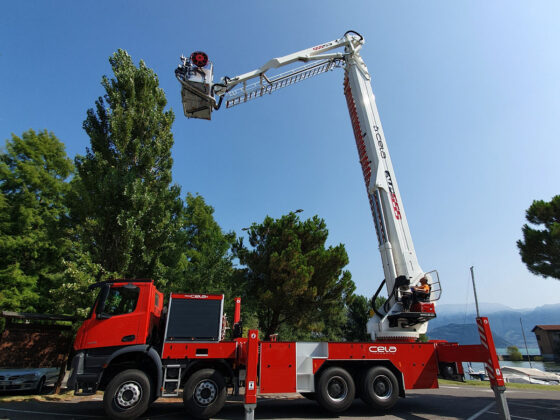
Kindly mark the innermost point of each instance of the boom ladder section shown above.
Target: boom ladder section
(267, 86)
(393, 233)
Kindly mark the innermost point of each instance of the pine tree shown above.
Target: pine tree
(540, 248)
(296, 281)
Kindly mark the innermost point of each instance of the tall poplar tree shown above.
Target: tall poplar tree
(125, 203)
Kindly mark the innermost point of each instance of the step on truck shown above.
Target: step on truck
(135, 351)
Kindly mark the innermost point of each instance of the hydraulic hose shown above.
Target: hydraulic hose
(379, 314)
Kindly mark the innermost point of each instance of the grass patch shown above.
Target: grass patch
(46, 397)
(486, 384)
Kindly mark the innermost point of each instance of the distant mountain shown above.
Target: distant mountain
(464, 334)
(485, 308)
(504, 322)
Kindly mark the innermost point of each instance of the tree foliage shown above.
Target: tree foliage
(359, 313)
(540, 248)
(125, 204)
(72, 295)
(514, 353)
(295, 281)
(34, 170)
(206, 262)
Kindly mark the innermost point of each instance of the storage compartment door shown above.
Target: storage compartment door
(278, 368)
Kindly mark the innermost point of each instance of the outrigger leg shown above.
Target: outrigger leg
(251, 377)
(493, 366)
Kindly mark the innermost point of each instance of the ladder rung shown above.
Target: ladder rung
(167, 380)
(255, 90)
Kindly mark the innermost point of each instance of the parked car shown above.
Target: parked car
(27, 379)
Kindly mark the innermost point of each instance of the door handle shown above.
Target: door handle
(128, 338)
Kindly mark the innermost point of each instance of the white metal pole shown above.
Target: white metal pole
(525, 341)
(474, 288)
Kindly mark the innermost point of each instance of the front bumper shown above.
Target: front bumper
(18, 385)
(83, 381)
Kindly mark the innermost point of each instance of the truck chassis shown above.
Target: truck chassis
(204, 368)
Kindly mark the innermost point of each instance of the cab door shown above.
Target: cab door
(116, 318)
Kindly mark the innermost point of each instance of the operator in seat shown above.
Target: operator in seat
(417, 294)
(423, 289)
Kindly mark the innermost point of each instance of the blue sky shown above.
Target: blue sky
(468, 92)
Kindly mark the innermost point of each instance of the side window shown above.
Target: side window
(121, 300)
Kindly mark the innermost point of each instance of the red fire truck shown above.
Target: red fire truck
(135, 351)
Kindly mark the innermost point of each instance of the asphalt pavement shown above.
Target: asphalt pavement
(448, 402)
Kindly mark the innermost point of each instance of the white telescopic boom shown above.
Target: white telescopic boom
(395, 242)
(400, 264)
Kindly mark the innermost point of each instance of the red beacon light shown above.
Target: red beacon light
(199, 58)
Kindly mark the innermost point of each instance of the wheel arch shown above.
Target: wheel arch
(218, 364)
(144, 358)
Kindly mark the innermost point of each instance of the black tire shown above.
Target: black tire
(335, 390)
(41, 385)
(308, 395)
(153, 397)
(379, 388)
(128, 395)
(204, 393)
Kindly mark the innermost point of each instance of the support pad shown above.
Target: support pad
(499, 392)
(250, 411)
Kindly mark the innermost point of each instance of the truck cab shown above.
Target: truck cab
(124, 324)
(125, 313)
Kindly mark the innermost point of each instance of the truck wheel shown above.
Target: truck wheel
(128, 395)
(335, 390)
(379, 388)
(204, 394)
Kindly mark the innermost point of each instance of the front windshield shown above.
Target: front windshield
(121, 300)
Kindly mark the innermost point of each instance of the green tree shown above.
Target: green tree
(125, 204)
(514, 353)
(358, 315)
(294, 279)
(359, 312)
(34, 170)
(379, 302)
(540, 248)
(206, 261)
(73, 296)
